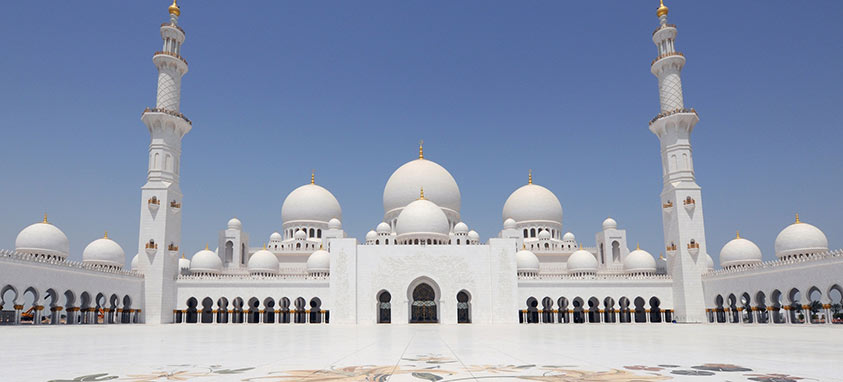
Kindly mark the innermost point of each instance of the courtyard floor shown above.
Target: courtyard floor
(545, 352)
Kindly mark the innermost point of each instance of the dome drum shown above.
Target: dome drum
(423, 238)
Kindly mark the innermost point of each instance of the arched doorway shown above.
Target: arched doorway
(384, 307)
(423, 305)
(463, 307)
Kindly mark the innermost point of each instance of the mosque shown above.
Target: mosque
(422, 263)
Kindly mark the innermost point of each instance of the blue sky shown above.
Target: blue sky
(495, 88)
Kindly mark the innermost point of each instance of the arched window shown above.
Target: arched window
(616, 251)
(458, 241)
(384, 307)
(319, 233)
(532, 232)
(312, 233)
(525, 233)
(463, 307)
(377, 242)
(229, 251)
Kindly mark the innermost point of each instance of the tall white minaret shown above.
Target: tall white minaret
(160, 218)
(682, 213)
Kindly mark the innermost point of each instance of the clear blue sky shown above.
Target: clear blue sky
(495, 88)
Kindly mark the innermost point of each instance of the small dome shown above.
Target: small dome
(544, 235)
(136, 263)
(205, 261)
(460, 228)
(403, 186)
(526, 261)
(371, 236)
(184, 264)
(43, 239)
(310, 203)
(422, 216)
(568, 237)
(473, 235)
(319, 262)
(582, 261)
(276, 237)
(509, 223)
(639, 261)
(334, 223)
(300, 235)
(383, 228)
(800, 239)
(709, 262)
(104, 251)
(235, 223)
(609, 223)
(739, 251)
(263, 261)
(533, 203)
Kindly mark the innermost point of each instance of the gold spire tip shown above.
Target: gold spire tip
(421, 149)
(637, 246)
(106, 235)
(530, 176)
(312, 176)
(182, 255)
(737, 234)
(174, 9)
(421, 194)
(663, 10)
(797, 218)
(206, 246)
(45, 218)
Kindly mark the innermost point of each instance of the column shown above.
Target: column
(18, 308)
(36, 314)
(827, 311)
(806, 311)
(214, 316)
(55, 315)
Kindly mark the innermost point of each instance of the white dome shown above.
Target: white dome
(533, 203)
(104, 251)
(709, 262)
(569, 237)
(136, 263)
(422, 216)
(473, 235)
(184, 264)
(43, 239)
(544, 235)
(300, 235)
(800, 239)
(383, 228)
(263, 261)
(403, 186)
(334, 223)
(276, 237)
(319, 261)
(639, 261)
(371, 236)
(509, 223)
(609, 223)
(582, 261)
(310, 202)
(461, 228)
(739, 251)
(526, 261)
(205, 261)
(235, 223)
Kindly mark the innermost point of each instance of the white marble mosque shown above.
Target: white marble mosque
(422, 263)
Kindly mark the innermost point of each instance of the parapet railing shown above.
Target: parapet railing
(261, 276)
(663, 27)
(671, 112)
(171, 54)
(605, 276)
(771, 264)
(6, 254)
(173, 26)
(165, 111)
(663, 55)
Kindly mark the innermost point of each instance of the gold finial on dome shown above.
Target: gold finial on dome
(797, 218)
(421, 194)
(106, 235)
(174, 9)
(637, 247)
(662, 11)
(182, 255)
(421, 149)
(580, 245)
(530, 176)
(737, 234)
(312, 176)
(45, 219)
(206, 246)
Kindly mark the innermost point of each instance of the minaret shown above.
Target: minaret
(160, 219)
(682, 213)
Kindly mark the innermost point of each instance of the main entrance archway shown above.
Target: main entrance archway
(424, 300)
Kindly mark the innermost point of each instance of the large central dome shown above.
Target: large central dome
(403, 186)
(310, 202)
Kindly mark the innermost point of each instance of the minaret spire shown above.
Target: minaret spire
(684, 229)
(421, 149)
(530, 176)
(159, 222)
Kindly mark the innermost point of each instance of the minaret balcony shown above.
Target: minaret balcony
(151, 248)
(165, 111)
(672, 112)
(173, 248)
(671, 249)
(693, 248)
(175, 207)
(663, 26)
(153, 204)
(666, 55)
(170, 54)
(689, 204)
(667, 206)
(171, 25)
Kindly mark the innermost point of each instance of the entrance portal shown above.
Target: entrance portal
(423, 305)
